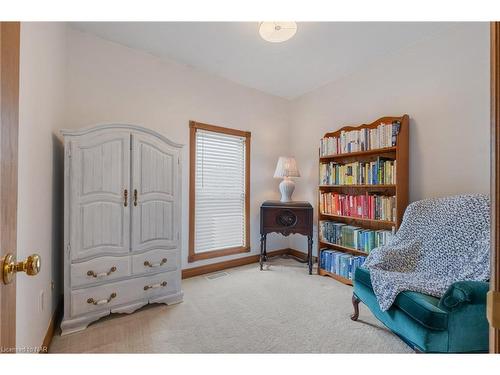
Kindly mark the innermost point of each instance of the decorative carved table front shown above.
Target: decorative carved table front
(286, 218)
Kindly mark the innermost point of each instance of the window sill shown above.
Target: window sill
(218, 253)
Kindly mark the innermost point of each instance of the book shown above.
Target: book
(384, 135)
(352, 236)
(339, 263)
(379, 172)
(364, 206)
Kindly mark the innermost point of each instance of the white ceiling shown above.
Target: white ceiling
(320, 52)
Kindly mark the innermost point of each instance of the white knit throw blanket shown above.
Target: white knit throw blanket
(441, 241)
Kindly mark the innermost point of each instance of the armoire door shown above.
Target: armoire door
(100, 194)
(154, 194)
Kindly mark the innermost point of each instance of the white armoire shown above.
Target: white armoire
(122, 222)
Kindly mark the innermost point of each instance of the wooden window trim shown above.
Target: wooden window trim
(193, 127)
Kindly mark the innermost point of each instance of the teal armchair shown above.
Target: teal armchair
(454, 323)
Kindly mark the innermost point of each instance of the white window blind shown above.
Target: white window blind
(219, 191)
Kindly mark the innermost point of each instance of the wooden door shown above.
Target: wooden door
(155, 166)
(495, 175)
(99, 194)
(9, 122)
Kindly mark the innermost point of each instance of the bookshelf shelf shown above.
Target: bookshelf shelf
(323, 272)
(385, 186)
(343, 248)
(372, 223)
(399, 153)
(359, 153)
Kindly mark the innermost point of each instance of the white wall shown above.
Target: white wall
(441, 82)
(39, 222)
(111, 83)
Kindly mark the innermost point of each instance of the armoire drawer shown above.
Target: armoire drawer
(161, 284)
(107, 296)
(155, 260)
(99, 269)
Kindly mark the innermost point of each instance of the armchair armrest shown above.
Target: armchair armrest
(464, 292)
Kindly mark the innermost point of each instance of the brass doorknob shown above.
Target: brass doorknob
(31, 265)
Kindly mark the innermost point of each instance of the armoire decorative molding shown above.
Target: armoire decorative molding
(122, 222)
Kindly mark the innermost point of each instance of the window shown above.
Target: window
(218, 192)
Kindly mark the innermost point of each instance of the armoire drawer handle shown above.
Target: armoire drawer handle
(125, 198)
(135, 197)
(101, 301)
(152, 265)
(154, 286)
(102, 274)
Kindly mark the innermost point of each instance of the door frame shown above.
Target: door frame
(495, 172)
(9, 127)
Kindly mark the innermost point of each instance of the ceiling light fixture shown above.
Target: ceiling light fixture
(276, 32)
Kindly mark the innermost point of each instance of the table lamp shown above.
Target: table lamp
(286, 168)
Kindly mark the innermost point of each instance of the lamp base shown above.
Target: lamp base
(287, 186)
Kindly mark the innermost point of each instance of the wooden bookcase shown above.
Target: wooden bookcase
(399, 189)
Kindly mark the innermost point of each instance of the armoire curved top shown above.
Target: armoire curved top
(95, 128)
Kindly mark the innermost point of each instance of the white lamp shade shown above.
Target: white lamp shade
(276, 32)
(286, 167)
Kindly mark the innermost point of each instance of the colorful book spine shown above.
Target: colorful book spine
(353, 237)
(379, 172)
(339, 263)
(367, 206)
(384, 135)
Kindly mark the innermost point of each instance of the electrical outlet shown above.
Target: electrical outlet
(41, 301)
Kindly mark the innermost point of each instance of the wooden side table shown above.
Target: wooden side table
(286, 218)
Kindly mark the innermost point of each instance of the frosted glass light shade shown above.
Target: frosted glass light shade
(286, 167)
(276, 32)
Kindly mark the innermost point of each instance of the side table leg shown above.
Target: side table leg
(261, 258)
(309, 253)
(265, 247)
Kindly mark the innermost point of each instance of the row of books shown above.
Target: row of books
(340, 263)
(361, 239)
(367, 206)
(379, 172)
(384, 135)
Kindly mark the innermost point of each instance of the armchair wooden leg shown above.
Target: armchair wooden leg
(355, 304)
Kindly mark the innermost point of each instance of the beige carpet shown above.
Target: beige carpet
(280, 310)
